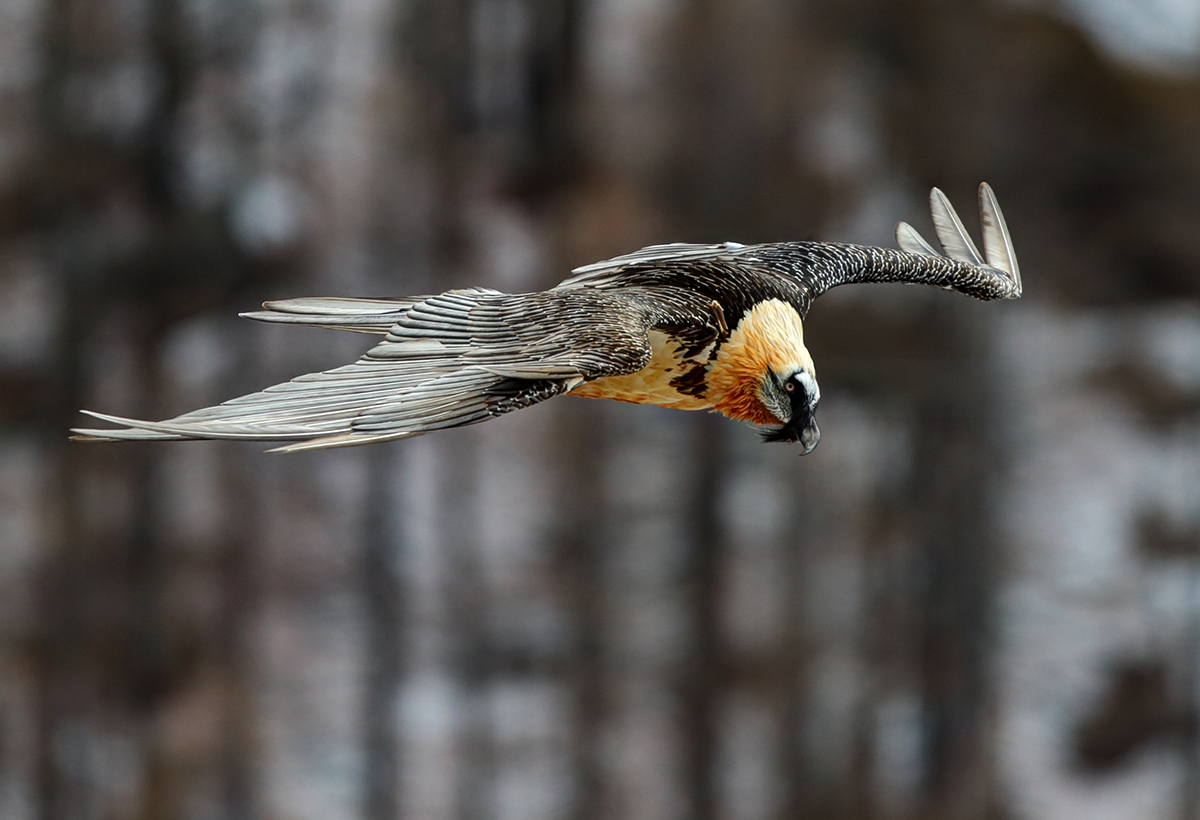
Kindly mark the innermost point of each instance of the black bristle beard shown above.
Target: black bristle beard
(793, 431)
(781, 434)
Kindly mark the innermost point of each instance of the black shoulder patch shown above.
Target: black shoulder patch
(692, 339)
(693, 382)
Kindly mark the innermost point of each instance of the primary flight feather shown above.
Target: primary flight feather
(692, 327)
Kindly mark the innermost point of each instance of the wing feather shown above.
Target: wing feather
(737, 276)
(997, 242)
(950, 230)
(343, 312)
(447, 361)
(911, 241)
(465, 356)
(674, 254)
(340, 305)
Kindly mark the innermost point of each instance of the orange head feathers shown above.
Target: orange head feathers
(768, 340)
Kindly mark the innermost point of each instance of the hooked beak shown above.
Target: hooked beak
(802, 430)
(810, 437)
(793, 401)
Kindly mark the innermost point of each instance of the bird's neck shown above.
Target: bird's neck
(770, 336)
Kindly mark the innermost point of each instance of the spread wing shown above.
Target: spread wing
(449, 360)
(738, 276)
(466, 356)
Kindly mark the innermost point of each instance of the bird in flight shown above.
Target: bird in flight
(691, 327)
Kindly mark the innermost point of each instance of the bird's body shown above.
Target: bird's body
(657, 382)
(690, 327)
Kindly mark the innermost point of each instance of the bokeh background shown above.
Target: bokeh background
(979, 598)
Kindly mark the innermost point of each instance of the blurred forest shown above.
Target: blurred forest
(979, 597)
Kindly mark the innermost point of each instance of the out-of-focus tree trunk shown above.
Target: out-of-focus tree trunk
(588, 610)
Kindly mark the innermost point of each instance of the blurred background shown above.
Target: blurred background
(979, 598)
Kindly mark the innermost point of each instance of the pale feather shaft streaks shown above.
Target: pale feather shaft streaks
(653, 326)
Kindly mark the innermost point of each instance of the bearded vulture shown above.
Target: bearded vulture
(692, 327)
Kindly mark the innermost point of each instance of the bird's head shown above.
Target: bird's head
(764, 374)
(792, 399)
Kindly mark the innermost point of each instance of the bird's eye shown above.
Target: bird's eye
(790, 386)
